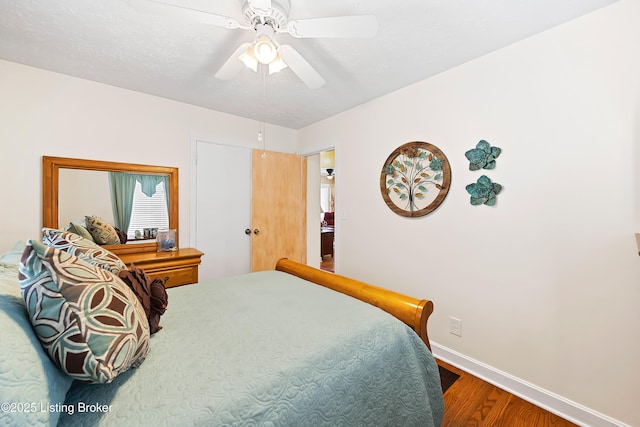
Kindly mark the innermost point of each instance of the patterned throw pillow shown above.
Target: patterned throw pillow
(87, 319)
(102, 232)
(82, 248)
(80, 230)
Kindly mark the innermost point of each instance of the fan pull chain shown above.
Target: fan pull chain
(262, 133)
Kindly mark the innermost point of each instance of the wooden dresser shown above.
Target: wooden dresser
(173, 268)
(326, 241)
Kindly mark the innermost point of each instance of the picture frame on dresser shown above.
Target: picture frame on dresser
(166, 240)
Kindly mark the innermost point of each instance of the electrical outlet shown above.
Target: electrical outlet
(455, 326)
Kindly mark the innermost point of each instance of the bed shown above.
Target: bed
(290, 347)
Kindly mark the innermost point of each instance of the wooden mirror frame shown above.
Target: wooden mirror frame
(50, 180)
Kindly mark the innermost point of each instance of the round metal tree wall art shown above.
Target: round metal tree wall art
(415, 179)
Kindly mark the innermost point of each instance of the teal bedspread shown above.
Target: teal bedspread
(270, 349)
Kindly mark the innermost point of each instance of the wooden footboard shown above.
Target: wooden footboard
(411, 311)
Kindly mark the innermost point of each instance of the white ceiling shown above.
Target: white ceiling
(110, 41)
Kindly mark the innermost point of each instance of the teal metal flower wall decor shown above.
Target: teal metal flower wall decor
(483, 191)
(483, 156)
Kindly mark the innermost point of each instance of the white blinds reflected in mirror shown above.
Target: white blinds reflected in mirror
(148, 211)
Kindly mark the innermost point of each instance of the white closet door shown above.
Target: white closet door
(223, 209)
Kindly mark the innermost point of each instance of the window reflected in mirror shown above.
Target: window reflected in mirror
(148, 211)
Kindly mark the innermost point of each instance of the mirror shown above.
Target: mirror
(51, 202)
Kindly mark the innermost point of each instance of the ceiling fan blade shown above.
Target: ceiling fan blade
(300, 66)
(359, 26)
(156, 7)
(233, 65)
(260, 7)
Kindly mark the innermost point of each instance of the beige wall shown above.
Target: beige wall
(547, 282)
(45, 113)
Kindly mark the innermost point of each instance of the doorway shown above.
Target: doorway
(327, 207)
(321, 226)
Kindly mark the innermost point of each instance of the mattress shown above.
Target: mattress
(269, 348)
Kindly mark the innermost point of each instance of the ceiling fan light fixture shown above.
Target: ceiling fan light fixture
(264, 50)
(277, 65)
(249, 59)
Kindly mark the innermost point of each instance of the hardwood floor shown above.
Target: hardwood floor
(473, 402)
(327, 263)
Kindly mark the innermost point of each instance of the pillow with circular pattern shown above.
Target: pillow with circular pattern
(86, 317)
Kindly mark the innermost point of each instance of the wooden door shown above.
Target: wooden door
(278, 208)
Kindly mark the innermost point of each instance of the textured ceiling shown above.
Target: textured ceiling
(112, 42)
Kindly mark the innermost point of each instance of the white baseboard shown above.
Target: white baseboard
(565, 408)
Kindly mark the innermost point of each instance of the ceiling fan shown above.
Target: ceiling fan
(268, 18)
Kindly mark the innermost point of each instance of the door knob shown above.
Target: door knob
(256, 231)
(247, 231)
